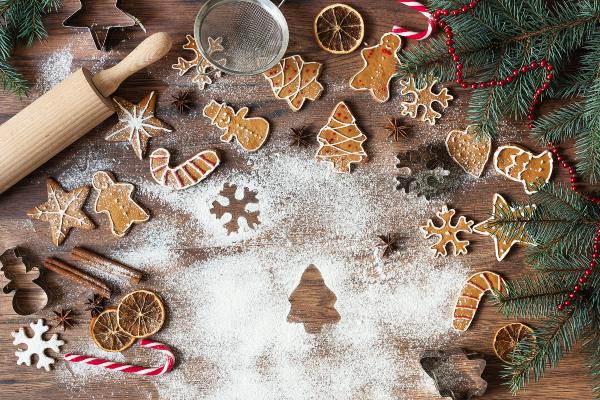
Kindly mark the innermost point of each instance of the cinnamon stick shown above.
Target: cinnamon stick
(106, 264)
(77, 276)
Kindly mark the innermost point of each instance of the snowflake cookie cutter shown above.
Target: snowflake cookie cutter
(421, 172)
(236, 207)
(36, 345)
(20, 280)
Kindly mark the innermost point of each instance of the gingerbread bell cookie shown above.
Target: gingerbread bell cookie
(137, 123)
(469, 150)
(251, 133)
(63, 211)
(380, 62)
(295, 80)
(340, 140)
(521, 165)
(186, 174)
(115, 199)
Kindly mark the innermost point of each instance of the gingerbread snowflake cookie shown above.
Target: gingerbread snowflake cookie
(341, 141)
(137, 123)
(115, 200)
(447, 233)
(469, 150)
(36, 345)
(295, 80)
(251, 133)
(204, 70)
(63, 211)
(380, 62)
(424, 97)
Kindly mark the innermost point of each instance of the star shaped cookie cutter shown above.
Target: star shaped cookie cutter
(100, 31)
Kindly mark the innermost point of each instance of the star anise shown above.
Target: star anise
(389, 244)
(64, 318)
(300, 137)
(395, 130)
(95, 305)
(183, 101)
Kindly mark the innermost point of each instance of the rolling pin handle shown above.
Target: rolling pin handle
(152, 49)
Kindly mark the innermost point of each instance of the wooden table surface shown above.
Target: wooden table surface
(568, 381)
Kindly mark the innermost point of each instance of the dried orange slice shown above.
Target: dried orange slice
(507, 338)
(105, 332)
(141, 313)
(339, 29)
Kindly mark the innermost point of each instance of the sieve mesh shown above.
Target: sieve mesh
(254, 34)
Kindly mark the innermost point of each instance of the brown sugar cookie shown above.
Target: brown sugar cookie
(521, 165)
(340, 140)
(295, 81)
(380, 62)
(62, 211)
(251, 133)
(137, 123)
(471, 294)
(469, 151)
(186, 174)
(115, 200)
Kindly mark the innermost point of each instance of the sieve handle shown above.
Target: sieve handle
(281, 3)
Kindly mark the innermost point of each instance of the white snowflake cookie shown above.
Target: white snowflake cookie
(36, 345)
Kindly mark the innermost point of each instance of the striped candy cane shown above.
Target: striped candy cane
(415, 5)
(130, 369)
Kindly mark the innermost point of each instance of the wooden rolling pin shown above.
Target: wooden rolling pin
(67, 112)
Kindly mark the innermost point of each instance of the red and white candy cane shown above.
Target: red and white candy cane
(415, 5)
(130, 369)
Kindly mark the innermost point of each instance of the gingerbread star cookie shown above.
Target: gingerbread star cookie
(115, 200)
(380, 62)
(506, 236)
(341, 141)
(468, 150)
(137, 123)
(295, 80)
(62, 211)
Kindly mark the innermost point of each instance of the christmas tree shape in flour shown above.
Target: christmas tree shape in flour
(312, 302)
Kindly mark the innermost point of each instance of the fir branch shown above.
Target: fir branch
(556, 336)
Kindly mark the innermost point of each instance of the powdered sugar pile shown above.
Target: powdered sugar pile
(54, 69)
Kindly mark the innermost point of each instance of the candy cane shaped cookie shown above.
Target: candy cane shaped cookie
(184, 175)
(470, 296)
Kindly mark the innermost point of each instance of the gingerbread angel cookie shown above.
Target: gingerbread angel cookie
(251, 133)
(380, 63)
(340, 141)
(115, 200)
(295, 81)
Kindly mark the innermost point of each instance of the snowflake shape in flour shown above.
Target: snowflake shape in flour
(424, 97)
(237, 208)
(36, 345)
(204, 69)
(447, 233)
(137, 123)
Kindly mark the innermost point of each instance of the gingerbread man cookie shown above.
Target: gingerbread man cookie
(295, 81)
(251, 133)
(380, 62)
(115, 200)
(521, 165)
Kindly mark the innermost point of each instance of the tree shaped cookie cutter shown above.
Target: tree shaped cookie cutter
(101, 31)
(20, 280)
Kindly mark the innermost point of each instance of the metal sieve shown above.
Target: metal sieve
(255, 34)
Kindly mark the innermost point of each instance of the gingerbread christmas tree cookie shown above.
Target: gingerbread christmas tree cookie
(295, 81)
(424, 97)
(251, 133)
(506, 236)
(521, 165)
(63, 211)
(115, 200)
(380, 63)
(468, 150)
(340, 140)
(137, 123)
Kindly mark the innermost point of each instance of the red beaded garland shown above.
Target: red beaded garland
(532, 66)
